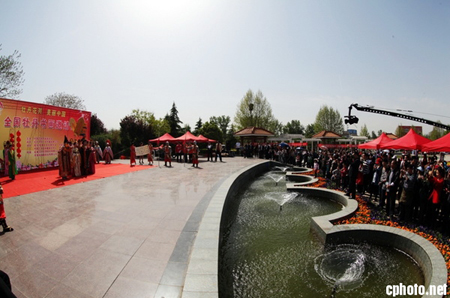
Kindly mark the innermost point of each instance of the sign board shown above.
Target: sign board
(142, 150)
(37, 131)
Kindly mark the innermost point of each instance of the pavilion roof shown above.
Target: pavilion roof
(326, 134)
(253, 132)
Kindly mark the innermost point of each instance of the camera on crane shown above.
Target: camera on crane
(351, 119)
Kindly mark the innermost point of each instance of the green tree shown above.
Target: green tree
(198, 125)
(436, 133)
(380, 132)
(65, 100)
(185, 129)
(373, 136)
(294, 127)
(11, 75)
(145, 116)
(157, 127)
(114, 136)
(309, 131)
(160, 127)
(364, 131)
(133, 131)
(328, 119)
(253, 110)
(211, 131)
(222, 122)
(276, 127)
(174, 121)
(97, 126)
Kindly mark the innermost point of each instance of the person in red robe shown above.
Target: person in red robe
(436, 178)
(167, 154)
(5, 226)
(132, 155)
(150, 154)
(107, 153)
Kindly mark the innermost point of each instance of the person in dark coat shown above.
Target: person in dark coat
(392, 187)
(353, 171)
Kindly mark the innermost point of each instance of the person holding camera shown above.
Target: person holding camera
(5, 226)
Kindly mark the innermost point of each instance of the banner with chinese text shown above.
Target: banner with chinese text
(37, 131)
(142, 150)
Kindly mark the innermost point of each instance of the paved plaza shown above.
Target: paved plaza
(113, 237)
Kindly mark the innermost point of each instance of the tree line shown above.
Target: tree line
(252, 110)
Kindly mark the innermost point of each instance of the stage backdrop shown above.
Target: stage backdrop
(37, 131)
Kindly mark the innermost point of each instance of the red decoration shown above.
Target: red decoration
(19, 144)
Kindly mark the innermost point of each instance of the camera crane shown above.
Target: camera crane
(351, 119)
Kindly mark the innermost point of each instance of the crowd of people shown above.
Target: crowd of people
(408, 187)
(78, 158)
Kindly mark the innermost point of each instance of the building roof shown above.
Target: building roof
(391, 136)
(326, 134)
(253, 132)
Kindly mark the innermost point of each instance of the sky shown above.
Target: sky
(205, 55)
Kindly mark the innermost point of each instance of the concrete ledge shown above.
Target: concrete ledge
(202, 272)
(298, 180)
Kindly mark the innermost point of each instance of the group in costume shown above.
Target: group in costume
(183, 152)
(78, 158)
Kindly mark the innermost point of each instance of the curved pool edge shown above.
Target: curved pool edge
(428, 257)
(202, 274)
(297, 180)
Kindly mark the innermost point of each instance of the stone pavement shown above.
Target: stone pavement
(111, 237)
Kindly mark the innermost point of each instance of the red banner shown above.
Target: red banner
(37, 131)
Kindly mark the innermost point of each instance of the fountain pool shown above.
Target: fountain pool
(268, 253)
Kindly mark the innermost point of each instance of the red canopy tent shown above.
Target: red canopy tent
(439, 145)
(164, 138)
(187, 137)
(410, 141)
(383, 139)
(201, 138)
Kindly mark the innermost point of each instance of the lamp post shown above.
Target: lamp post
(250, 107)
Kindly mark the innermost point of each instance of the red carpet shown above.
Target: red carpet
(28, 182)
